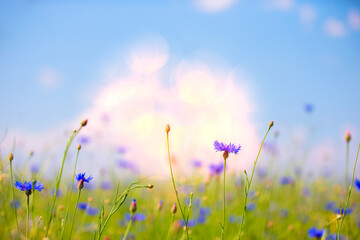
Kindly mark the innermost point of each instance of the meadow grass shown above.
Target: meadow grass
(275, 207)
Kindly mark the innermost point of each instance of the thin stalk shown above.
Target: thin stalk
(176, 193)
(128, 227)
(73, 220)
(348, 196)
(223, 223)
(69, 197)
(13, 195)
(33, 203)
(28, 216)
(248, 184)
(75, 132)
(171, 223)
(347, 166)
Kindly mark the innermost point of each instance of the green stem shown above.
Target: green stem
(171, 223)
(73, 220)
(69, 197)
(128, 228)
(223, 223)
(32, 203)
(348, 196)
(28, 216)
(347, 167)
(247, 185)
(13, 195)
(176, 193)
(75, 132)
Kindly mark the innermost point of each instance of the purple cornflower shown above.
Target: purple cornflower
(229, 148)
(27, 186)
(357, 184)
(81, 179)
(330, 206)
(315, 233)
(197, 163)
(84, 140)
(216, 169)
(137, 217)
(82, 205)
(250, 206)
(203, 213)
(107, 185)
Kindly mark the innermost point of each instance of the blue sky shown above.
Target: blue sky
(292, 52)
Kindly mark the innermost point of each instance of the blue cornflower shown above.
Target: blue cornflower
(17, 204)
(84, 140)
(81, 179)
(216, 169)
(203, 213)
(190, 223)
(92, 211)
(106, 185)
(229, 148)
(250, 206)
(27, 186)
(309, 108)
(357, 184)
(330, 206)
(82, 205)
(286, 180)
(340, 211)
(234, 219)
(315, 233)
(138, 217)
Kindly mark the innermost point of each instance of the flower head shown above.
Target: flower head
(357, 184)
(216, 169)
(340, 211)
(81, 179)
(82, 205)
(28, 186)
(315, 233)
(137, 217)
(230, 148)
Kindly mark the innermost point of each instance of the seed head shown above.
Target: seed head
(11, 157)
(271, 123)
(347, 136)
(84, 122)
(167, 128)
(173, 208)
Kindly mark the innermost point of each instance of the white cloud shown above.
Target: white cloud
(213, 5)
(49, 78)
(148, 54)
(354, 19)
(334, 28)
(307, 14)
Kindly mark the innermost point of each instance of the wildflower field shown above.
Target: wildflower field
(259, 204)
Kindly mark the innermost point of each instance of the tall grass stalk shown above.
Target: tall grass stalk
(70, 194)
(128, 227)
(73, 135)
(73, 220)
(248, 183)
(167, 129)
(223, 222)
(348, 196)
(11, 157)
(27, 216)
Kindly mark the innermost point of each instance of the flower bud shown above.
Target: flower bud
(347, 136)
(271, 124)
(11, 157)
(84, 122)
(173, 208)
(160, 205)
(79, 147)
(133, 206)
(81, 184)
(167, 128)
(225, 155)
(150, 186)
